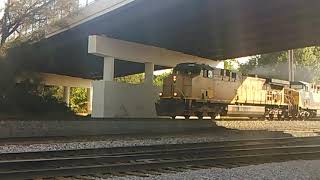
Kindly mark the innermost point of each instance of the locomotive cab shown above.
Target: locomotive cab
(179, 83)
(189, 91)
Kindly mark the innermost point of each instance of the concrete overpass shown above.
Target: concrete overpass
(180, 30)
(212, 29)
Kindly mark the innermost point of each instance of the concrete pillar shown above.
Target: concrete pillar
(149, 69)
(89, 95)
(108, 69)
(66, 95)
(291, 65)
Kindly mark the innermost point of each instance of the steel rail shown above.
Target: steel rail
(226, 161)
(254, 143)
(157, 159)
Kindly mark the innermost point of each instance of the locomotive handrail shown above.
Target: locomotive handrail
(181, 92)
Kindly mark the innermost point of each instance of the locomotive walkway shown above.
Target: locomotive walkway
(152, 160)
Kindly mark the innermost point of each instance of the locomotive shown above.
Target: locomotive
(200, 90)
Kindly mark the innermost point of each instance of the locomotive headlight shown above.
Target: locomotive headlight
(160, 94)
(175, 94)
(174, 78)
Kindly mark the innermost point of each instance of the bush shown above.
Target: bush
(25, 98)
(21, 91)
(79, 100)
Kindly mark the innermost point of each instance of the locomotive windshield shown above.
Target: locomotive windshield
(191, 68)
(299, 85)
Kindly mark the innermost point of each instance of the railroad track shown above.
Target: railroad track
(262, 119)
(226, 118)
(151, 160)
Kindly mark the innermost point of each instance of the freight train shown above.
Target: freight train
(200, 90)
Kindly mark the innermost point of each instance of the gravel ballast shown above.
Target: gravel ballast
(239, 130)
(125, 141)
(293, 170)
(295, 128)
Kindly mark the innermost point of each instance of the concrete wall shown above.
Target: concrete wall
(113, 99)
(32, 128)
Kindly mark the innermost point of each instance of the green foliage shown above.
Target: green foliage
(21, 91)
(15, 66)
(79, 100)
(231, 64)
(275, 65)
(132, 79)
(20, 17)
(158, 80)
(139, 78)
(53, 91)
(26, 98)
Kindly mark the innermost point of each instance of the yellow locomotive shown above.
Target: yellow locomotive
(200, 90)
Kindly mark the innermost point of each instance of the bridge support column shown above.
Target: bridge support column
(113, 99)
(108, 69)
(149, 69)
(66, 95)
(89, 95)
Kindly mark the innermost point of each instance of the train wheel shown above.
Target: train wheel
(286, 116)
(213, 116)
(187, 117)
(200, 117)
(304, 118)
(173, 117)
(271, 117)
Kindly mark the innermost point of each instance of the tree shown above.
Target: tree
(23, 16)
(139, 78)
(231, 64)
(132, 79)
(158, 80)
(79, 100)
(20, 25)
(275, 65)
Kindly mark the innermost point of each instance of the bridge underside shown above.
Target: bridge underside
(212, 29)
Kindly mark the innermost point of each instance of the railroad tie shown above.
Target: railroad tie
(164, 170)
(83, 177)
(151, 172)
(104, 175)
(119, 174)
(137, 173)
(174, 169)
(63, 178)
